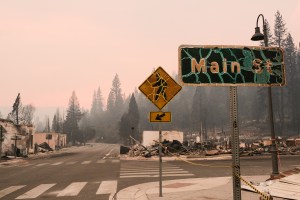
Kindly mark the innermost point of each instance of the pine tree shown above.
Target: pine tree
(97, 105)
(99, 100)
(94, 105)
(115, 101)
(124, 129)
(72, 119)
(279, 30)
(57, 122)
(47, 127)
(279, 41)
(198, 113)
(133, 113)
(290, 65)
(117, 91)
(270, 36)
(130, 121)
(16, 113)
(110, 102)
(290, 56)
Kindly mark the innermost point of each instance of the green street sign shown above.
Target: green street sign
(231, 66)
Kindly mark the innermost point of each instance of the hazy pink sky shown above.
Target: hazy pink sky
(48, 48)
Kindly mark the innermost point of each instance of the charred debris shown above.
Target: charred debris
(210, 147)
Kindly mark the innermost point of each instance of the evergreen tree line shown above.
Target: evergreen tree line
(200, 110)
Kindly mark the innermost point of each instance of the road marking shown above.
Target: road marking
(154, 170)
(115, 161)
(42, 164)
(10, 190)
(108, 153)
(130, 171)
(154, 176)
(101, 161)
(26, 165)
(71, 163)
(107, 187)
(86, 162)
(72, 190)
(164, 172)
(58, 163)
(35, 192)
(149, 168)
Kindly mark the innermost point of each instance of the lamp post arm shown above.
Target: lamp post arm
(258, 19)
(264, 29)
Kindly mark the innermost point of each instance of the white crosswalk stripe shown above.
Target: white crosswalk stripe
(130, 171)
(71, 163)
(72, 190)
(58, 163)
(42, 164)
(108, 187)
(35, 192)
(86, 162)
(9, 190)
(102, 161)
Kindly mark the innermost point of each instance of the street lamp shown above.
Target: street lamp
(256, 37)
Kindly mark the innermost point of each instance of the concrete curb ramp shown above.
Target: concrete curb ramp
(147, 190)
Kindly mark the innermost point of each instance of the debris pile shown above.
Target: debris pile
(295, 150)
(44, 147)
(207, 148)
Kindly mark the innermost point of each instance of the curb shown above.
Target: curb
(144, 190)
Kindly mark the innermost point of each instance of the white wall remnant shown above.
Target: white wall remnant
(150, 136)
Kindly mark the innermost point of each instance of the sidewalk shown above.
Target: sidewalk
(217, 188)
(12, 160)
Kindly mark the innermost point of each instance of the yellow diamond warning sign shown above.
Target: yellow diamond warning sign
(160, 116)
(160, 88)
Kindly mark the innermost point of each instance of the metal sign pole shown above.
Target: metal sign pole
(235, 144)
(160, 162)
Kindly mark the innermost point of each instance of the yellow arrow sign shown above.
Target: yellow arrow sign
(160, 116)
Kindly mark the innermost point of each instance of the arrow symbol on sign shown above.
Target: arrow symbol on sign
(159, 117)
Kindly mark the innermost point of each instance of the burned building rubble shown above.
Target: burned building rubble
(192, 146)
(21, 140)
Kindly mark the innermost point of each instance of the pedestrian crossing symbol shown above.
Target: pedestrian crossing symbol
(160, 88)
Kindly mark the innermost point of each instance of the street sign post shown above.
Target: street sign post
(160, 88)
(15, 138)
(231, 66)
(209, 65)
(160, 117)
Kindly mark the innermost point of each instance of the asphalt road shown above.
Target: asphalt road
(96, 172)
(87, 172)
(173, 169)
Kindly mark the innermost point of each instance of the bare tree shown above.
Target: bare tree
(28, 113)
